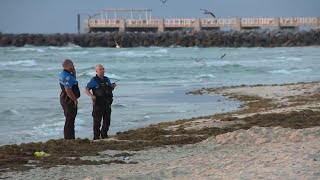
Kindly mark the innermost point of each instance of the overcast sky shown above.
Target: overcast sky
(60, 16)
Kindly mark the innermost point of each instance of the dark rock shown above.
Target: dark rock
(185, 38)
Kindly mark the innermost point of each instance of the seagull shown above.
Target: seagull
(207, 12)
(197, 59)
(117, 45)
(163, 1)
(223, 55)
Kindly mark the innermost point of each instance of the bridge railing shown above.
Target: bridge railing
(142, 22)
(104, 22)
(179, 22)
(254, 22)
(206, 22)
(218, 22)
(298, 21)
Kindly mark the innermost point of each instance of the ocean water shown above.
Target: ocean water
(152, 86)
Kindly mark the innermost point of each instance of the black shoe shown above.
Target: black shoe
(105, 137)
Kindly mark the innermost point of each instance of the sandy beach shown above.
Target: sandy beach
(275, 134)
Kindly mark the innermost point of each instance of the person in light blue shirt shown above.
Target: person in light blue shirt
(68, 97)
(102, 98)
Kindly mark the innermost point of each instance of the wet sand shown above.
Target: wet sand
(274, 135)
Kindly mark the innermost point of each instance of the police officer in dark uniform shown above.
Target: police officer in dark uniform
(68, 98)
(102, 98)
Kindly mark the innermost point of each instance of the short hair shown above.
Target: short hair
(98, 65)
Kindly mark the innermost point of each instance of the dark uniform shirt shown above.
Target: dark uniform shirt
(67, 80)
(94, 84)
(102, 89)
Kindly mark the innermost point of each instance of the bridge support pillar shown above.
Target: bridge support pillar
(161, 25)
(122, 27)
(276, 23)
(197, 25)
(86, 26)
(237, 25)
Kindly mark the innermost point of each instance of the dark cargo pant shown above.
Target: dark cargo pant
(70, 112)
(99, 113)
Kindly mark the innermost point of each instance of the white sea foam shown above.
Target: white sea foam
(44, 69)
(68, 47)
(27, 63)
(51, 68)
(118, 105)
(114, 76)
(49, 129)
(148, 54)
(89, 73)
(63, 48)
(25, 49)
(92, 73)
(301, 70)
(280, 71)
(43, 126)
(165, 51)
(290, 58)
(274, 61)
(131, 54)
(293, 71)
(73, 45)
(126, 53)
(10, 112)
(205, 76)
(77, 52)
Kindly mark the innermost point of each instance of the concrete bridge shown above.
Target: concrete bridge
(123, 24)
(196, 24)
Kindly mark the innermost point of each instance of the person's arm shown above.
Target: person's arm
(68, 81)
(71, 96)
(87, 91)
(89, 86)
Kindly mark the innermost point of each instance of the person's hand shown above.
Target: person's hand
(113, 85)
(93, 99)
(75, 103)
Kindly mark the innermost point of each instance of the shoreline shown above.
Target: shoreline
(284, 116)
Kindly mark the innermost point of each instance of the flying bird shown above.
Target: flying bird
(163, 1)
(208, 12)
(197, 59)
(223, 55)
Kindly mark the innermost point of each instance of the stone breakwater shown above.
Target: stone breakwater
(244, 38)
